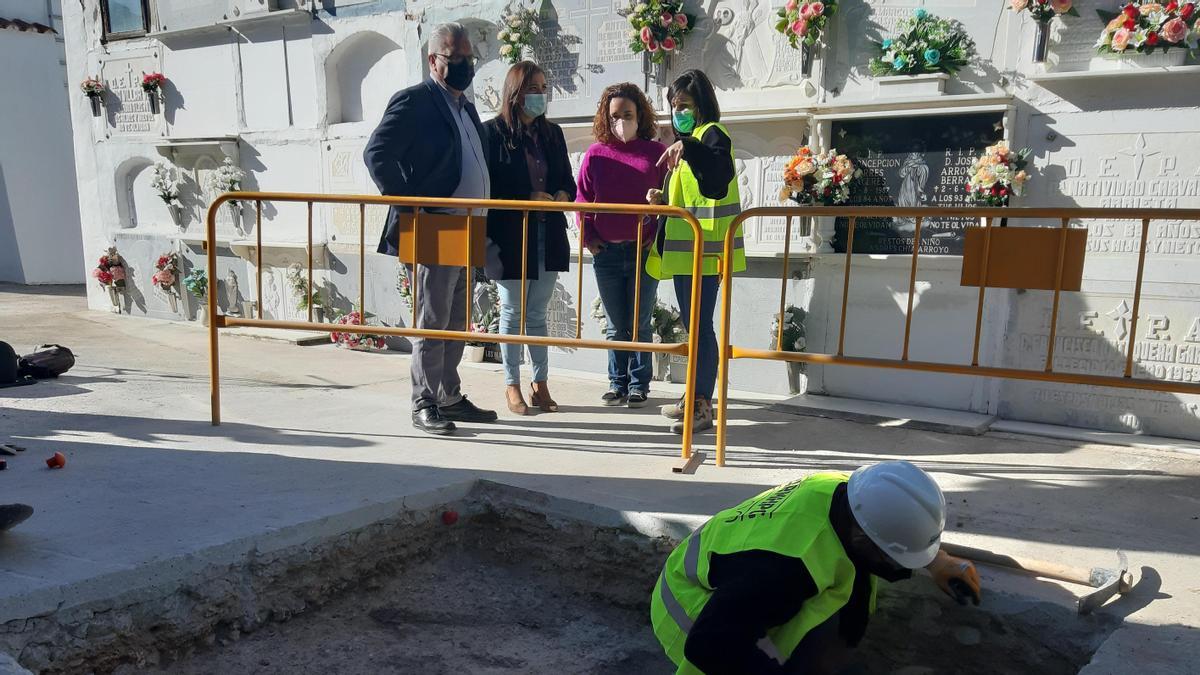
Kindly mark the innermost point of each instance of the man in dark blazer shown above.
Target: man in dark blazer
(429, 144)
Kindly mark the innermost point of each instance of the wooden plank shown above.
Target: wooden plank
(690, 464)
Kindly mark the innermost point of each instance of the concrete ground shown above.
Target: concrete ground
(311, 433)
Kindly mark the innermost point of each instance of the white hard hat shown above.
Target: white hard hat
(901, 509)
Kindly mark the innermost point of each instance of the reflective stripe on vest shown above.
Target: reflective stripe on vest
(710, 247)
(715, 216)
(714, 212)
(791, 520)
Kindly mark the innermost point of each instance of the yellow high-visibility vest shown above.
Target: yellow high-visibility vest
(791, 520)
(715, 216)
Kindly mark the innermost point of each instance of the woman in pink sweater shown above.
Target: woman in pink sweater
(621, 167)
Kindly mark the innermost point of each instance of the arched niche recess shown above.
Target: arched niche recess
(138, 205)
(361, 74)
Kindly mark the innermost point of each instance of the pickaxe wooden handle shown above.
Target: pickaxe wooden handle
(1110, 582)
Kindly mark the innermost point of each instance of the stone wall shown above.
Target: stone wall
(292, 96)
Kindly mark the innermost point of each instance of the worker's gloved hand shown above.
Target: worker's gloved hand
(956, 577)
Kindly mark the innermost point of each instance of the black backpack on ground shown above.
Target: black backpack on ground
(10, 371)
(46, 361)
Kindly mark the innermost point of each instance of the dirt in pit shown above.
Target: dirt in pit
(509, 594)
(463, 612)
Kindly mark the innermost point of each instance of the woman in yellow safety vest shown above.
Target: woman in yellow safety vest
(702, 181)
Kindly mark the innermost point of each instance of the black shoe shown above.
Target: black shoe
(432, 421)
(637, 399)
(614, 398)
(465, 411)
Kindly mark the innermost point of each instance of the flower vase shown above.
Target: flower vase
(1134, 60)
(94, 100)
(152, 96)
(235, 214)
(677, 369)
(911, 86)
(176, 214)
(174, 302)
(807, 54)
(793, 371)
(656, 72)
(662, 367)
(202, 313)
(114, 296)
(1041, 41)
(474, 353)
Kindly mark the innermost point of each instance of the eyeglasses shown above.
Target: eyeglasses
(459, 59)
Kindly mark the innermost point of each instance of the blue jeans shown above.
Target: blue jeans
(706, 359)
(614, 268)
(537, 302)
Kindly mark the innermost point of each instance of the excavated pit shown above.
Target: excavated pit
(522, 583)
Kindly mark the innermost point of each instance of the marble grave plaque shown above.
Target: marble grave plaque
(584, 47)
(914, 161)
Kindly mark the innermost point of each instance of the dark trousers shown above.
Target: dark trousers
(706, 358)
(616, 275)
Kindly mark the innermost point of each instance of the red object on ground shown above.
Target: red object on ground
(58, 461)
(449, 517)
(3, 465)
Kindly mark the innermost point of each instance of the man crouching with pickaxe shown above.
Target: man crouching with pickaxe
(785, 582)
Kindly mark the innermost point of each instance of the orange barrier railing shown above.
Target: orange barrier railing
(1058, 257)
(217, 321)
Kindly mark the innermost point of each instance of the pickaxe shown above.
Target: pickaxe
(1107, 582)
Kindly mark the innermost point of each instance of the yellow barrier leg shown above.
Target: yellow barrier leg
(722, 406)
(214, 358)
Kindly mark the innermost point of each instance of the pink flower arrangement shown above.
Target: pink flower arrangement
(1145, 27)
(152, 82)
(110, 270)
(356, 340)
(92, 86)
(168, 271)
(997, 175)
(659, 27)
(804, 21)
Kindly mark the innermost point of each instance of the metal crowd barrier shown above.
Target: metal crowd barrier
(1061, 263)
(217, 321)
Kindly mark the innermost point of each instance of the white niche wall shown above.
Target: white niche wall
(361, 74)
(138, 205)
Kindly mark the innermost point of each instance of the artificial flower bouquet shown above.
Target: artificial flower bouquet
(658, 27)
(924, 43)
(997, 175)
(818, 177)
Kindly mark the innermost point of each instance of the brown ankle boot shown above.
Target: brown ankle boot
(516, 402)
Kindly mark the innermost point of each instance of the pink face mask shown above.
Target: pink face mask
(626, 130)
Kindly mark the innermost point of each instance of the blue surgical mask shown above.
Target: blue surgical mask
(684, 121)
(535, 105)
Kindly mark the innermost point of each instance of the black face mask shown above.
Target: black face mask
(459, 75)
